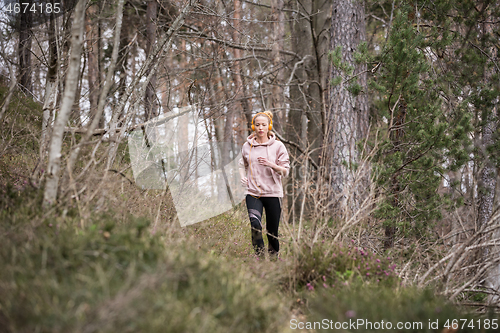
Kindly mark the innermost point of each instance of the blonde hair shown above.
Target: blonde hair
(269, 114)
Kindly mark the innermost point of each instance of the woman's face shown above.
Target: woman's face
(261, 126)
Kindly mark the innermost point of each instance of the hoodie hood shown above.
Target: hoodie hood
(253, 142)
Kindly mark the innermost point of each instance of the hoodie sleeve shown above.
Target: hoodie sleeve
(243, 163)
(284, 159)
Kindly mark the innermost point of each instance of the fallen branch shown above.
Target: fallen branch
(122, 174)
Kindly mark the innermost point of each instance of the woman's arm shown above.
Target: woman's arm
(283, 160)
(243, 171)
(243, 178)
(279, 169)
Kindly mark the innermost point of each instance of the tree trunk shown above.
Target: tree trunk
(109, 81)
(307, 85)
(218, 125)
(240, 86)
(185, 164)
(13, 84)
(149, 66)
(50, 90)
(24, 51)
(348, 114)
(396, 136)
(54, 166)
(123, 57)
(150, 103)
(93, 76)
(277, 98)
(486, 193)
(488, 176)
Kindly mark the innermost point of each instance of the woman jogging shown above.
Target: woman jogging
(264, 162)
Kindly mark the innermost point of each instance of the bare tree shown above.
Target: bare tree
(150, 103)
(277, 102)
(54, 163)
(50, 94)
(149, 66)
(13, 79)
(98, 114)
(93, 67)
(24, 50)
(307, 83)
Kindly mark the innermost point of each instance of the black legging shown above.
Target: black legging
(273, 213)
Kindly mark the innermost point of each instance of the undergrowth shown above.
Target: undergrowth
(109, 276)
(120, 262)
(371, 308)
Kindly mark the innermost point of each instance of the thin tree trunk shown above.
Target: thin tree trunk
(123, 57)
(241, 89)
(302, 44)
(50, 92)
(104, 93)
(218, 124)
(277, 101)
(307, 86)
(228, 136)
(150, 66)
(396, 137)
(92, 43)
(182, 147)
(318, 89)
(64, 49)
(150, 103)
(183, 122)
(303, 172)
(54, 166)
(13, 84)
(24, 51)
(75, 116)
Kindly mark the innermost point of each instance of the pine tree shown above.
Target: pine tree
(348, 115)
(421, 141)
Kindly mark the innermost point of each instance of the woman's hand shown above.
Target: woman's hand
(244, 181)
(263, 161)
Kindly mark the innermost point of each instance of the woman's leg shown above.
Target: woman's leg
(273, 214)
(254, 207)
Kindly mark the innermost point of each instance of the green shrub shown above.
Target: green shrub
(325, 266)
(415, 310)
(117, 277)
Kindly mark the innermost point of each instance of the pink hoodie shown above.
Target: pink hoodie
(263, 181)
